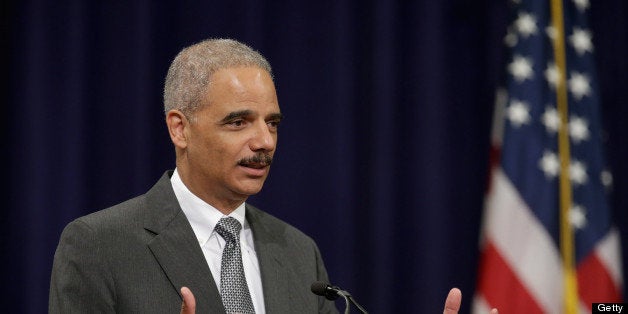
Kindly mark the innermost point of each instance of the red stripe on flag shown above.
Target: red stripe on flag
(595, 283)
(501, 287)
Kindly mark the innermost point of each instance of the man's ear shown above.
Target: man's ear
(177, 125)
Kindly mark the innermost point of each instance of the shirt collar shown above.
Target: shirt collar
(202, 216)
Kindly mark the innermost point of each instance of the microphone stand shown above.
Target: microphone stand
(332, 292)
(350, 300)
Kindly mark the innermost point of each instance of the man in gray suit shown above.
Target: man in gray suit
(164, 251)
(149, 253)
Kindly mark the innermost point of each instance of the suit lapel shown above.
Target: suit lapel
(271, 263)
(176, 248)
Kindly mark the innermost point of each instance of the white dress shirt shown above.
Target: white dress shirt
(203, 218)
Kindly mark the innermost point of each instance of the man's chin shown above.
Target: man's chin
(250, 187)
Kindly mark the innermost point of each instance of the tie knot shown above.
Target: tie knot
(229, 229)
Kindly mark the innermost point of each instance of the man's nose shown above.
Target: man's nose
(263, 139)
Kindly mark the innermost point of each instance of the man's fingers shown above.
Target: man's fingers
(188, 306)
(494, 311)
(452, 303)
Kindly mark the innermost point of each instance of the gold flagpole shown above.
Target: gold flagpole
(567, 243)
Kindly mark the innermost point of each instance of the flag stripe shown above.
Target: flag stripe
(609, 252)
(501, 287)
(523, 242)
(595, 282)
(479, 304)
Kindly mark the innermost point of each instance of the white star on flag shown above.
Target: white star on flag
(577, 216)
(582, 5)
(551, 32)
(550, 164)
(511, 38)
(526, 24)
(579, 85)
(552, 75)
(520, 68)
(580, 39)
(518, 112)
(607, 179)
(551, 120)
(578, 173)
(578, 129)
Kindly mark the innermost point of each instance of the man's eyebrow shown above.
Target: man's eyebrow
(236, 114)
(275, 116)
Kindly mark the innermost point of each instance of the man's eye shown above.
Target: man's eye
(236, 122)
(273, 124)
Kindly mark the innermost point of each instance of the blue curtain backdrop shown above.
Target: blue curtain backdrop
(382, 157)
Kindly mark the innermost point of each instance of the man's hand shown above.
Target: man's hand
(188, 306)
(452, 303)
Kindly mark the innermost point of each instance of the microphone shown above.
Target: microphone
(332, 293)
(325, 290)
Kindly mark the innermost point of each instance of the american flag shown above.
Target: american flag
(548, 243)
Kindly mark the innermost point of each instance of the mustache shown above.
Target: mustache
(259, 158)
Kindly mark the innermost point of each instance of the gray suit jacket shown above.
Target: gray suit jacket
(134, 258)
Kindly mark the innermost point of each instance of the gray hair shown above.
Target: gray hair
(191, 71)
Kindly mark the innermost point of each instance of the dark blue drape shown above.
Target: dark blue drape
(382, 157)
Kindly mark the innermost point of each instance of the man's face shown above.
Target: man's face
(233, 136)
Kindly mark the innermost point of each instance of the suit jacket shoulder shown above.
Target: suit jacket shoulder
(131, 258)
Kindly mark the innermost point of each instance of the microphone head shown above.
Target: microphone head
(323, 289)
